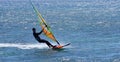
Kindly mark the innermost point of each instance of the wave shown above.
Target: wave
(23, 46)
(26, 46)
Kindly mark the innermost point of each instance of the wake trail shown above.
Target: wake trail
(23, 46)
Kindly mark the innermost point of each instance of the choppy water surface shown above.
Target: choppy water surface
(91, 26)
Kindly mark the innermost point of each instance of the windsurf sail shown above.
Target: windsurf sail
(46, 28)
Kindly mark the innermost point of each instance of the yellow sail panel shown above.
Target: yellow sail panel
(48, 34)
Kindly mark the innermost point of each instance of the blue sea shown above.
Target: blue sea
(91, 26)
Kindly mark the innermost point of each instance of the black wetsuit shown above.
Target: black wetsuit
(36, 35)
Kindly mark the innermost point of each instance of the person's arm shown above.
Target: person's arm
(40, 32)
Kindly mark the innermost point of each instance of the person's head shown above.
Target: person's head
(33, 29)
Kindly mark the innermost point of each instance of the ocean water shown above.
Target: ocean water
(91, 26)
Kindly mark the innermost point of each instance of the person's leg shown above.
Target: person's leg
(48, 43)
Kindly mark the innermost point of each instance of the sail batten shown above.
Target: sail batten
(46, 29)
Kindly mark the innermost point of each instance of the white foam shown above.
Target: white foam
(23, 46)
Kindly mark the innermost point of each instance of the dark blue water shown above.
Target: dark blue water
(91, 26)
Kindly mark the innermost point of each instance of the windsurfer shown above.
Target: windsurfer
(37, 37)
